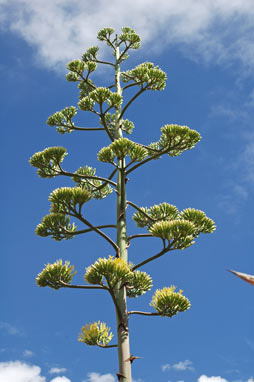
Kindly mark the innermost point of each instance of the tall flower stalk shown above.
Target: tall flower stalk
(176, 230)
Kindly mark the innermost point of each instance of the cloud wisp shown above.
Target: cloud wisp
(180, 366)
(28, 353)
(214, 32)
(57, 370)
(205, 378)
(7, 328)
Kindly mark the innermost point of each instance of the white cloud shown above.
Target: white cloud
(217, 31)
(96, 377)
(28, 353)
(60, 379)
(181, 365)
(165, 367)
(16, 371)
(57, 370)
(204, 378)
(9, 329)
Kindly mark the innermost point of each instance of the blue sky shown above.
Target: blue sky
(207, 50)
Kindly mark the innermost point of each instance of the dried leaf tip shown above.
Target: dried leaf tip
(243, 276)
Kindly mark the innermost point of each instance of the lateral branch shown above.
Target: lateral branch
(161, 253)
(143, 313)
(65, 285)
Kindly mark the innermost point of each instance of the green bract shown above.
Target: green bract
(199, 219)
(90, 54)
(168, 303)
(111, 121)
(94, 186)
(120, 148)
(72, 77)
(165, 221)
(57, 226)
(99, 95)
(65, 200)
(163, 211)
(154, 149)
(175, 139)
(112, 269)
(86, 104)
(95, 333)
(76, 66)
(104, 34)
(179, 232)
(146, 75)
(127, 126)
(106, 155)
(115, 270)
(138, 284)
(48, 161)
(63, 119)
(85, 88)
(54, 273)
(129, 36)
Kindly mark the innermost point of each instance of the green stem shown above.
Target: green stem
(140, 235)
(66, 173)
(131, 100)
(97, 230)
(165, 151)
(72, 127)
(122, 242)
(143, 313)
(112, 293)
(65, 285)
(87, 230)
(107, 346)
(130, 85)
(104, 62)
(165, 250)
(140, 210)
(145, 161)
(102, 117)
(109, 178)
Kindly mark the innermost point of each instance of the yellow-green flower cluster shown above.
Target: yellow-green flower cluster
(120, 148)
(112, 269)
(115, 270)
(53, 274)
(96, 333)
(63, 119)
(167, 302)
(180, 232)
(179, 228)
(66, 199)
(90, 184)
(57, 226)
(48, 160)
(146, 75)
